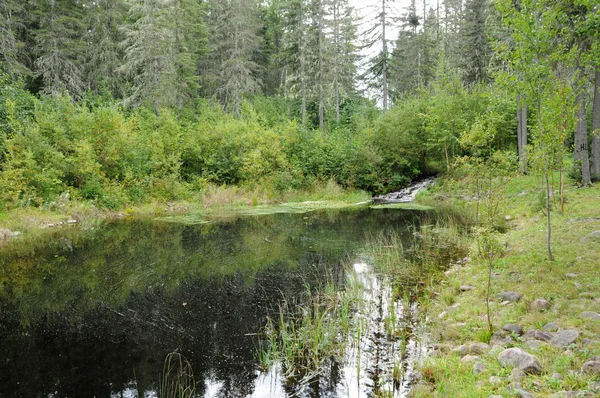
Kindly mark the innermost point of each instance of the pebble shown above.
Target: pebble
(494, 380)
(557, 376)
(571, 275)
(510, 296)
(466, 288)
(550, 327)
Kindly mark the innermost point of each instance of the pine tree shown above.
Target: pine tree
(12, 30)
(60, 50)
(475, 46)
(105, 19)
(235, 40)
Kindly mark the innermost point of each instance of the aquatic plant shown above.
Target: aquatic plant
(177, 378)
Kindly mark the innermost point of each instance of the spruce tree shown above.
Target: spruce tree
(475, 46)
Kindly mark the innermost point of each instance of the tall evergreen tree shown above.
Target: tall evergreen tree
(475, 46)
(235, 41)
(60, 48)
(12, 30)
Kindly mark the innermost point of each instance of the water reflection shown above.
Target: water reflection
(97, 316)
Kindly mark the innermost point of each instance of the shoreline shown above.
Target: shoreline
(544, 311)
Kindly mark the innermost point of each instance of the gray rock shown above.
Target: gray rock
(500, 338)
(571, 275)
(557, 376)
(591, 367)
(469, 358)
(565, 337)
(589, 342)
(514, 329)
(520, 359)
(538, 335)
(461, 350)
(465, 288)
(478, 348)
(510, 296)
(595, 386)
(479, 368)
(495, 380)
(590, 315)
(517, 374)
(442, 315)
(593, 235)
(517, 390)
(539, 304)
(533, 344)
(551, 327)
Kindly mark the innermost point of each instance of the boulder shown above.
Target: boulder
(520, 359)
(565, 337)
(591, 367)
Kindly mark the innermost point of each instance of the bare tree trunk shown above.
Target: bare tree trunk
(596, 126)
(385, 55)
(548, 224)
(519, 129)
(581, 154)
(155, 72)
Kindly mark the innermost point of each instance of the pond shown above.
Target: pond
(95, 313)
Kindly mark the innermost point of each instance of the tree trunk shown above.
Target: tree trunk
(519, 129)
(155, 76)
(581, 154)
(384, 60)
(336, 33)
(596, 126)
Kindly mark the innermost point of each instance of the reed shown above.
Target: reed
(177, 378)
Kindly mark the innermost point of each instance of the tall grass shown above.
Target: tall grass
(305, 337)
(178, 377)
(415, 257)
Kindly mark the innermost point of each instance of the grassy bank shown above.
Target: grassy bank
(36, 222)
(570, 284)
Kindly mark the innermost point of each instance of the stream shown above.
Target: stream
(94, 313)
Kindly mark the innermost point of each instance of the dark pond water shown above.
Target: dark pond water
(94, 314)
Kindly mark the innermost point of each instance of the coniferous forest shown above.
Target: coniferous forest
(120, 102)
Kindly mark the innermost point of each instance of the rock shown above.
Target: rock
(514, 329)
(461, 350)
(505, 303)
(479, 368)
(589, 342)
(520, 359)
(557, 376)
(550, 327)
(578, 285)
(510, 296)
(6, 234)
(495, 396)
(595, 386)
(466, 288)
(533, 344)
(494, 380)
(500, 338)
(539, 304)
(517, 390)
(517, 374)
(571, 275)
(590, 315)
(591, 367)
(593, 235)
(478, 348)
(565, 337)
(469, 358)
(442, 315)
(538, 335)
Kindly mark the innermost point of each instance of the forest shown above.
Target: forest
(120, 102)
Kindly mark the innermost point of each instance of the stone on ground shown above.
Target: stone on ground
(520, 359)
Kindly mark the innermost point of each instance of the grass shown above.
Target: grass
(177, 377)
(523, 268)
(304, 338)
(214, 201)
